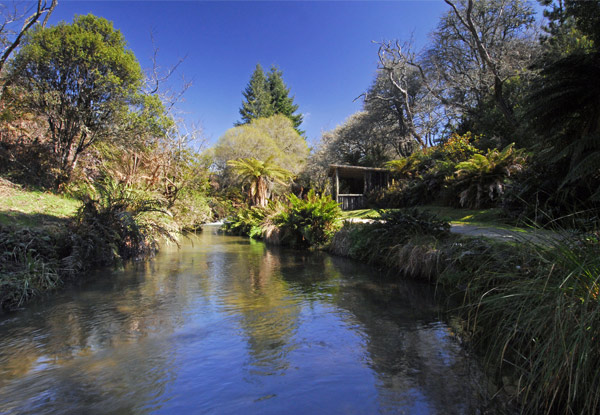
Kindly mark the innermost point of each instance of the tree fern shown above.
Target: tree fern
(260, 177)
(480, 181)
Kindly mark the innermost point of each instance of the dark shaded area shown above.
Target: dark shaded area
(20, 219)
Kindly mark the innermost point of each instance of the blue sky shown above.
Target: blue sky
(324, 49)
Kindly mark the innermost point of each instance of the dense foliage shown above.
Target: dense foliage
(118, 222)
(373, 242)
(301, 222)
(533, 310)
(259, 176)
(308, 221)
(262, 138)
(81, 79)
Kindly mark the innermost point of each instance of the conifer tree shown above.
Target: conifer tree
(281, 100)
(258, 101)
(267, 95)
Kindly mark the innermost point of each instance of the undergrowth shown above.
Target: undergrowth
(530, 307)
(299, 222)
(114, 223)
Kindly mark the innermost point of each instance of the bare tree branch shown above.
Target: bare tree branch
(42, 7)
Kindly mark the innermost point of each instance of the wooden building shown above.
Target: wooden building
(352, 183)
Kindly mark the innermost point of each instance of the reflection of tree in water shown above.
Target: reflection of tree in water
(115, 346)
(417, 363)
(100, 346)
(268, 312)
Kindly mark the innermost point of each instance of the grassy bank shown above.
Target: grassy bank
(34, 208)
(46, 238)
(531, 307)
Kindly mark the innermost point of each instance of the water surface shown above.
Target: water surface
(225, 325)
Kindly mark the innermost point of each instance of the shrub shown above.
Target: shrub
(300, 223)
(311, 221)
(423, 176)
(373, 242)
(118, 222)
(29, 264)
(481, 180)
(247, 221)
(191, 209)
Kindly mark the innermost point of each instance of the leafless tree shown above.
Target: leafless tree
(399, 92)
(158, 77)
(11, 16)
(477, 48)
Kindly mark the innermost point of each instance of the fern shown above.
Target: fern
(481, 180)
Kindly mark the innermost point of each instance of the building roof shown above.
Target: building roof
(352, 171)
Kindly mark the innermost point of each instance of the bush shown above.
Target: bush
(311, 221)
(248, 221)
(300, 223)
(481, 180)
(373, 242)
(423, 177)
(191, 210)
(29, 264)
(118, 222)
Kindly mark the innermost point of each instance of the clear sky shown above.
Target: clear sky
(324, 49)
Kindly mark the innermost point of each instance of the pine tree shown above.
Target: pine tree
(258, 101)
(268, 95)
(281, 100)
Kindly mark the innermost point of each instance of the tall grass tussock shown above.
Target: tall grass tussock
(539, 321)
(531, 307)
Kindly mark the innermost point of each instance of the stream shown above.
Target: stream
(226, 325)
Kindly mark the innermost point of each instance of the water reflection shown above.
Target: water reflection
(225, 325)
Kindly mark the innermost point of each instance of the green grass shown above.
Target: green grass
(360, 214)
(25, 208)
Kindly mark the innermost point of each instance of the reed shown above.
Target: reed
(537, 316)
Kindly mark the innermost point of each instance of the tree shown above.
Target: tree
(261, 139)
(477, 49)
(79, 77)
(260, 177)
(268, 95)
(565, 103)
(258, 101)
(399, 93)
(281, 100)
(363, 139)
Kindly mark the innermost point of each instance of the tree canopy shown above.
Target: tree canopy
(261, 139)
(81, 78)
(260, 177)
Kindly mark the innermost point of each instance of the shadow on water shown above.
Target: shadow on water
(225, 325)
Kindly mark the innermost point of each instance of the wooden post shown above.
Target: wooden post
(337, 185)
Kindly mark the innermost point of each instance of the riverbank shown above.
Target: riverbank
(530, 305)
(47, 239)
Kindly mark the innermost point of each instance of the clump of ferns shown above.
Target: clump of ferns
(118, 222)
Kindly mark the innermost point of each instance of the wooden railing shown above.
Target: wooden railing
(352, 202)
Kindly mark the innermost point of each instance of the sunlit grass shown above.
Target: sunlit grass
(33, 208)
